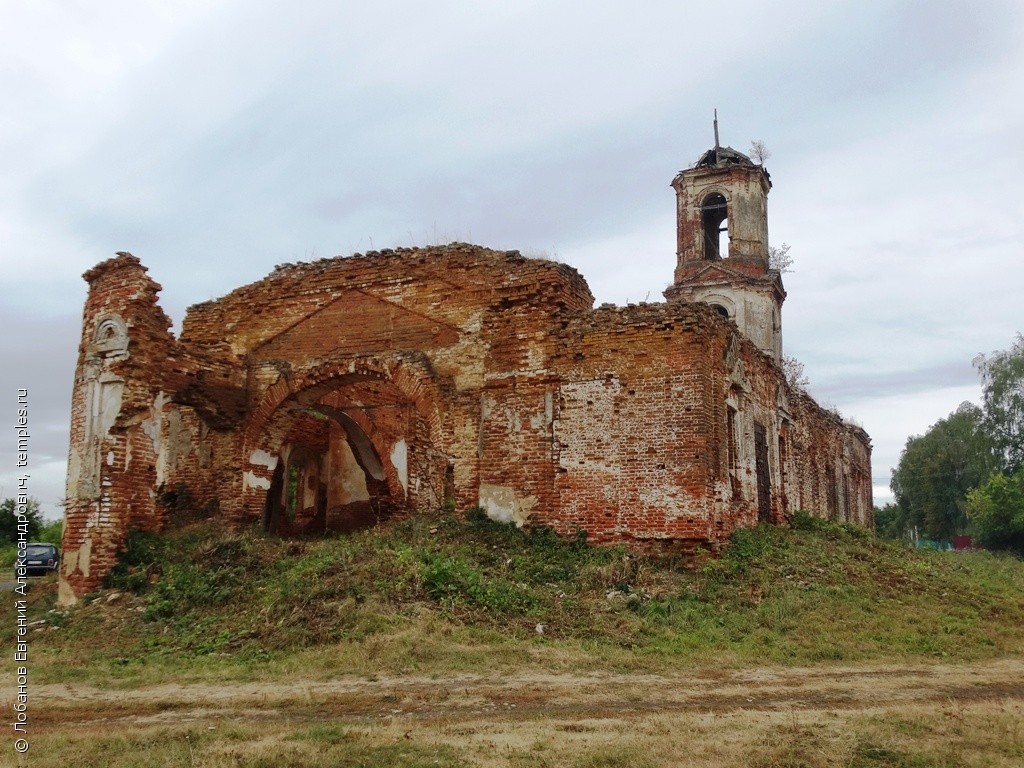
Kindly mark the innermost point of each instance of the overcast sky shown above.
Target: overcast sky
(216, 139)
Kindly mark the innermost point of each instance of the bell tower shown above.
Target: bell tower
(722, 244)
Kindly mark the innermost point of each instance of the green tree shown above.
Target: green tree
(937, 469)
(9, 520)
(891, 522)
(996, 510)
(52, 532)
(1002, 382)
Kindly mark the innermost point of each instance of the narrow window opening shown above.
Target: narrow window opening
(783, 472)
(733, 443)
(832, 492)
(272, 506)
(847, 505)
(294, 488)
(764, 489)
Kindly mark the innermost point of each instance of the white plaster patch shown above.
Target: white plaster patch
(151, 426)
(180, 439)
(108, 406)
(110, 458)
(486, 407)
(535, 356)
(152, 429)
(500, 503)
(69, 561)
(65, 595)
(205, 454)
(513, 420)
(400, 461)
(263, 459)
(543, 420)
(350, 475)
(74, 473)
(523, 509)
(537, 421)
(251, 480)
(84, 556)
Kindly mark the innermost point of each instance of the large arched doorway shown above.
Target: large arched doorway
(342, 450)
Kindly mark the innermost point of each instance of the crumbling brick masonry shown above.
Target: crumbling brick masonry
(330, 395)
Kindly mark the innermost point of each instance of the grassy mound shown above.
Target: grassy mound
(438, 594)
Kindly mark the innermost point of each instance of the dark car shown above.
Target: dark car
(40, 559)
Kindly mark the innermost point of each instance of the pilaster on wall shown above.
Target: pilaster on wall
(116, 414)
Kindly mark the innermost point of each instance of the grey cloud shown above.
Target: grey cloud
(255, 134)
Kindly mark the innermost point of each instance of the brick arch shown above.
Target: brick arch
(714, 189)
(294, 391)
(720, 300)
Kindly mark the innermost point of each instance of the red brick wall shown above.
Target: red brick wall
(494, 373)
(634, 434)
(112, 462)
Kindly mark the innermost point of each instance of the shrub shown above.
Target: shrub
(138, 561)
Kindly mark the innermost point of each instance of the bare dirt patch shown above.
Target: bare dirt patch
(693, 717)
(864, 687)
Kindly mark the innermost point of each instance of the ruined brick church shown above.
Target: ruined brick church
(331, 395)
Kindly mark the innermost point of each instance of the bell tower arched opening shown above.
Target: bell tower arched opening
(714, 215)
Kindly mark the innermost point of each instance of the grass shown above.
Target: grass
(438, 594)
(230, 745)
(986, 733)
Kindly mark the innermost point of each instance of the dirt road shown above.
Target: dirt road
(862, 688)
(493, 718)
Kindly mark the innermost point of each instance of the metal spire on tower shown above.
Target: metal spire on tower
(716, 136)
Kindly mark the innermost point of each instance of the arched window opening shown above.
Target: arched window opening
(714, 213)
(110, 336)
(721, 310)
